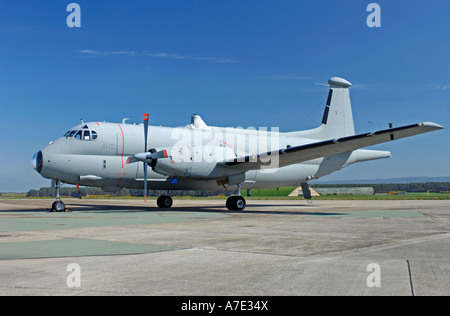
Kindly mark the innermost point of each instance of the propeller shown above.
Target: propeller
(145, 150)
(79, 192)
(147, 157)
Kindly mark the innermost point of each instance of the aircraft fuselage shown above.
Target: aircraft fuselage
(192, 165)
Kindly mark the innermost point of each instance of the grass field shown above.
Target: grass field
(282, 193)
(270, 192)
(407, 196)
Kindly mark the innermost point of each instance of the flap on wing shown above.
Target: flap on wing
(297, 154)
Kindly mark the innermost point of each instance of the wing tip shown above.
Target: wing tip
(431, 125)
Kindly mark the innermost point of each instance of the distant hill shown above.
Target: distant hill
(389, 180)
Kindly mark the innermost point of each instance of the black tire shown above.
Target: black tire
(230, 202)
(235, 203)
(164, 201)
(58, 206)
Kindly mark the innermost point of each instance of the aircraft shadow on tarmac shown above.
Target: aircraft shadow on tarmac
(250, 209)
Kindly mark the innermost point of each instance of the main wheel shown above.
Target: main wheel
(236, 203)
(164, 201)
(58, 206)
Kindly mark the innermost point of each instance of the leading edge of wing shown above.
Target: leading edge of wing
(330, 147)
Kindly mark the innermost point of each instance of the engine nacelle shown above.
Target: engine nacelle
(199, 162)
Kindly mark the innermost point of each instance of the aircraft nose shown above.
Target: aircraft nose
(36, 161)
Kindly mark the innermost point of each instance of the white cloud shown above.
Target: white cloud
(96, 52)
(287, 77)
(359, 86)
(158, 55)
(441, 86)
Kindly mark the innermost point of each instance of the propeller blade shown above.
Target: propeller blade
(78, 188)
(131, 159)
(147, 156)
(145, 181)
(158, 154)
(145, 151)
(145, 131)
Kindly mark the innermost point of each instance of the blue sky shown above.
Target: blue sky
(236, 63)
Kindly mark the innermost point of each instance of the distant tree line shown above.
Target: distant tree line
(73, 192)
(389, 187)
(378, 188)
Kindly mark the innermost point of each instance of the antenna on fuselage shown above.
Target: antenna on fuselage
(82, 120)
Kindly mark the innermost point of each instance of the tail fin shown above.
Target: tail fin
(337, 119)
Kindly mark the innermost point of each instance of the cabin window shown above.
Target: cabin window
(94, 135)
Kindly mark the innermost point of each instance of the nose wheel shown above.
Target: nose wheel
(58, 205)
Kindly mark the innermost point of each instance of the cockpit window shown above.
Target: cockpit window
(86, 135)
(78, 135)
(71, 133)
(83, 134)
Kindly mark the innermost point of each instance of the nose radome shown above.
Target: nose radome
(37, 161)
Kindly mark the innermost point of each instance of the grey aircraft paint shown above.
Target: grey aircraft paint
(202, 157)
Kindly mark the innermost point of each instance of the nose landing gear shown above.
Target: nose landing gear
(58, 205)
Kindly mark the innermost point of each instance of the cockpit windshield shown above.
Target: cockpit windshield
(84, 134)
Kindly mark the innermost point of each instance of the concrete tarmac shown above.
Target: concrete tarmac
(274, 247)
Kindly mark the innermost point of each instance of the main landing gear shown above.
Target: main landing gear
(164, 201)
(58, 205)
(236, 202)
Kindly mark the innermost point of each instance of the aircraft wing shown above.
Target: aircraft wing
(297, 154)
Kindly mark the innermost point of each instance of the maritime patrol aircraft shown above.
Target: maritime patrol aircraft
(201, 157)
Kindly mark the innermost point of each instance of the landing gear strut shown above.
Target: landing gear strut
(58, 205)
(236, 203)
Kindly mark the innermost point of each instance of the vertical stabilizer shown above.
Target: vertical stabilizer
(337, 119)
